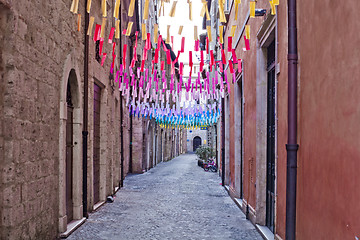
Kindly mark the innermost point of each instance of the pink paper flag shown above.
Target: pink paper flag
(239, 65)
(196, 47)
(247, 44)
(103, 59)
(190, 59)
(111, 35)
(168, 57)
(124, 55)
(223, 58)
(97, 32)
(162, 65)
(181, 68)
(234, 56)
(231, 67)
(142, 66)
(182, 44)
(207, 45)
(229, 44)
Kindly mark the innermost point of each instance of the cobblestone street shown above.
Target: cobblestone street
(174, 200)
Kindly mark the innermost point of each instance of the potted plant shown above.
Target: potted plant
(204, 153)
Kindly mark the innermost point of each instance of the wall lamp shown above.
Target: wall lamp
(260, 12)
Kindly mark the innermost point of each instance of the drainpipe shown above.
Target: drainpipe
(85, 111)
(223, 142)
(121, 184)
(292, 145)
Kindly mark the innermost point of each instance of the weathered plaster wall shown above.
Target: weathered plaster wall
(328, 191)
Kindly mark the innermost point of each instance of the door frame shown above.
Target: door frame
(265, 35)
(70, 74)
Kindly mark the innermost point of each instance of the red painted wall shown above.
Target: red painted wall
(329, 132)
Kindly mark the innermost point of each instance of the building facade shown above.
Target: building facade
(67, 140)
(254, 132)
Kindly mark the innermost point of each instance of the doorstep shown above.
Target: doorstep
(72, 226)
(97, 205)
(265, 232)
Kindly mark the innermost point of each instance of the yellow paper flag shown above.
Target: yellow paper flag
(221, 11)
(116, 9)
(117, 29)
(156, 33)
(103, 8)
(173, 9)
(74, 6)
(88, 7)
(190, 11)
(195, 33)
(143, 31)
(103, 26)
(131, 8)
(275, 2)
(208, 29)
(79, 22)
(252, 9)
(247, 31)
(180, 30)
(232, 31)
(221, 33)
(203, 9)
(128, 30)
(273, 9)
(168, 34)
(236, 11)
(146, 9)
(91, 23)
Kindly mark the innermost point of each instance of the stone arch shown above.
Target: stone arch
(196, 142)
(72, 78)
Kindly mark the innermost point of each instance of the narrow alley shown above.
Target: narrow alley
(175, 200)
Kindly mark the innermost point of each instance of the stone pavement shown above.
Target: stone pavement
(174, 200)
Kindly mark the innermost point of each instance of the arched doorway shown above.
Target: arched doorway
(70, 147)
(196, 143)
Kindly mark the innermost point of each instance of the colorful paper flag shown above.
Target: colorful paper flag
(229, 44)
(252, 9)
(156, 33)
(116, 9)
(88, 7)
(117, 29)
(233, 29)
(221, 33)
(103, 8)
(168, 34)
(74, 6)
(208, 29)
(195, 33)
(273, 8)
(146, 9)
(90, 27)
(190, 11)
(103, 27)
(79, 22)
(131, 8)
(180, 30)
(129, 27)
(173, 9)
(111, 35)
(247, 31)
(143, 31)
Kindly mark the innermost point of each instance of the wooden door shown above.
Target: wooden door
(96, 147)
(69, 158)
(270, 154)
